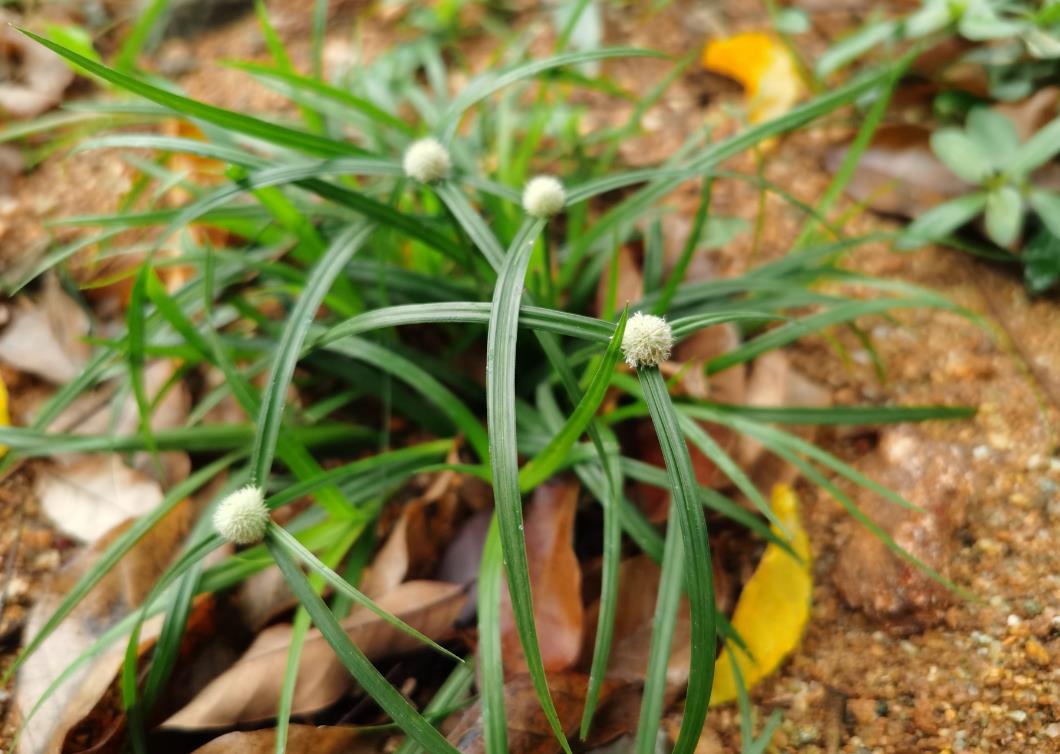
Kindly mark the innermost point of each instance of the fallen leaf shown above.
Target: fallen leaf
(301, 739)
(528, 729)
(35, 76)
(44, 337)
(250, 690)
(638, 585)
(774, 383)
(629, 280)
(773, 608)
(92, 495)
(119, 592)
(763, 66)
(555, 580)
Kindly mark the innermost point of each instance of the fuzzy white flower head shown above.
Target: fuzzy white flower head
(544, 196)
(427, 161)
(242, 517)
(647, 340)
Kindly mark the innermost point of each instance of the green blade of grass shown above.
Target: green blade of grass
(139, 34)
(289, 345)
(448, 697)
(545, 463)
(227, 119)
(317, 566)
(332, 93)
(485, 85)
(610, 499)
(699, 579)
(663, 622)
(370, 679)
(490, 661)
(409, 372)
(504, 461)
(791, 331)
(842, 415)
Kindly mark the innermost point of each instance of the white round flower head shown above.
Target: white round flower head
(544, 196)
(427, 161)
(242, 517)
(647, 340)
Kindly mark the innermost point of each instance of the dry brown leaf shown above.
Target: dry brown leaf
(391, 563)
(555, 580)
(45, 336)
(250, 690)
(301, 739)
(120, 591)
(91, 496)
(630, 283)
(263, 597)
(638, 583)
(34, 78)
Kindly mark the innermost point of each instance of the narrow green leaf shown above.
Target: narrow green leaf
(260, 129)
(687, 514)
(289, 346)
(504, 461)
(544, 464)
(490, 661)
(374, 684)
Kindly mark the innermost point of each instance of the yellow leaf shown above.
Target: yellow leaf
(763, 66)
(5, 418)
(773, 607)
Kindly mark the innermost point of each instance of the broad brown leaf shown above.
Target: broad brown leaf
(301, 739)
(555, 580)
(250, 690)
(120, 591)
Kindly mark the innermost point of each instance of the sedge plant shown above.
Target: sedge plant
(374, 219)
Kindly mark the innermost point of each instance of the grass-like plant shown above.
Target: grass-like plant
(354, 240)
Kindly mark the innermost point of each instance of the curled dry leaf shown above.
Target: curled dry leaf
(89, 497)
(301, 739)
(773, 608)
(32, 77)
(120, 591)
(250, 690)
(45, 336)
(555, 580)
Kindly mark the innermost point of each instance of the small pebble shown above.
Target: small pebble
(1053, 730)
(1038, 654)
(1017, 715)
